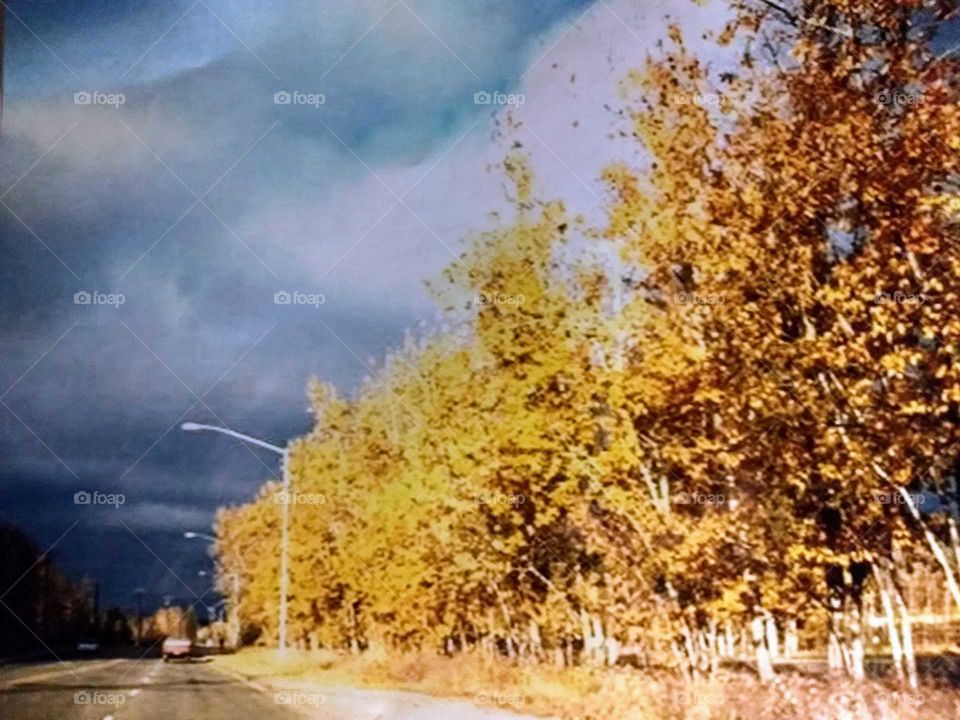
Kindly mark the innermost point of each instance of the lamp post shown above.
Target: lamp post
(235, 604)
(139, 592)
(284, 453)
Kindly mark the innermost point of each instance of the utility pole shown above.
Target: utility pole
(234, 600)
(3, 37)
(235, 612)
(284, 453)
(96, 608)
(139, 594)
(284, 548)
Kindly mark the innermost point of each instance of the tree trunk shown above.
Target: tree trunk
(855, 667)
(713, 647)
(730, 642)
(934, 545)
(835, 660)
(598, 637)
(683, 661)
(835, 656)
(791, 642)
(893, 635)
(906, 632)
(536, 644)
(761, 652)
(613, 652)
(689, 649)
(952, 514)
(773, 640)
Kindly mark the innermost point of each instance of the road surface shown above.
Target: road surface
(149, 689)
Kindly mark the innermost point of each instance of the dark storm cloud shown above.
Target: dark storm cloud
(104, 199)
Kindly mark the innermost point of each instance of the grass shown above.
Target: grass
(602, 694)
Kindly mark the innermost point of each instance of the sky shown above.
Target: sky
(171, 171)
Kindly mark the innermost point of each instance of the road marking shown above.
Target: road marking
(263, 689)
(108, 717)
(74, 668)
(259, 687)
(134, 692)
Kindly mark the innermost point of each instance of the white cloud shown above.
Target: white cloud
(564, 124)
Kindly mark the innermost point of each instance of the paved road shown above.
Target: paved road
(149, 689)
(132, 690)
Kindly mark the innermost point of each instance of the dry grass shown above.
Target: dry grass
(620, 694)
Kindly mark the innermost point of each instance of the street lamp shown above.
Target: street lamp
(139, 593)
(284, 453)
(190, 535)
(235, 579)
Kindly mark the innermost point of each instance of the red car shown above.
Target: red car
(176, 648)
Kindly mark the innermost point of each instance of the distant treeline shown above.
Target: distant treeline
(40, 605)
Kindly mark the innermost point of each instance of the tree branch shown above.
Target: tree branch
(797, 20)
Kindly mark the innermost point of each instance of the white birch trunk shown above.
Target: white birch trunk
(906, 631)
(773, 639)
(762, 653)
(791, 641)
(893, 634)
(856, 668)
(934, 545)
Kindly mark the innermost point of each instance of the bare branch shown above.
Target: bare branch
(797, 20)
